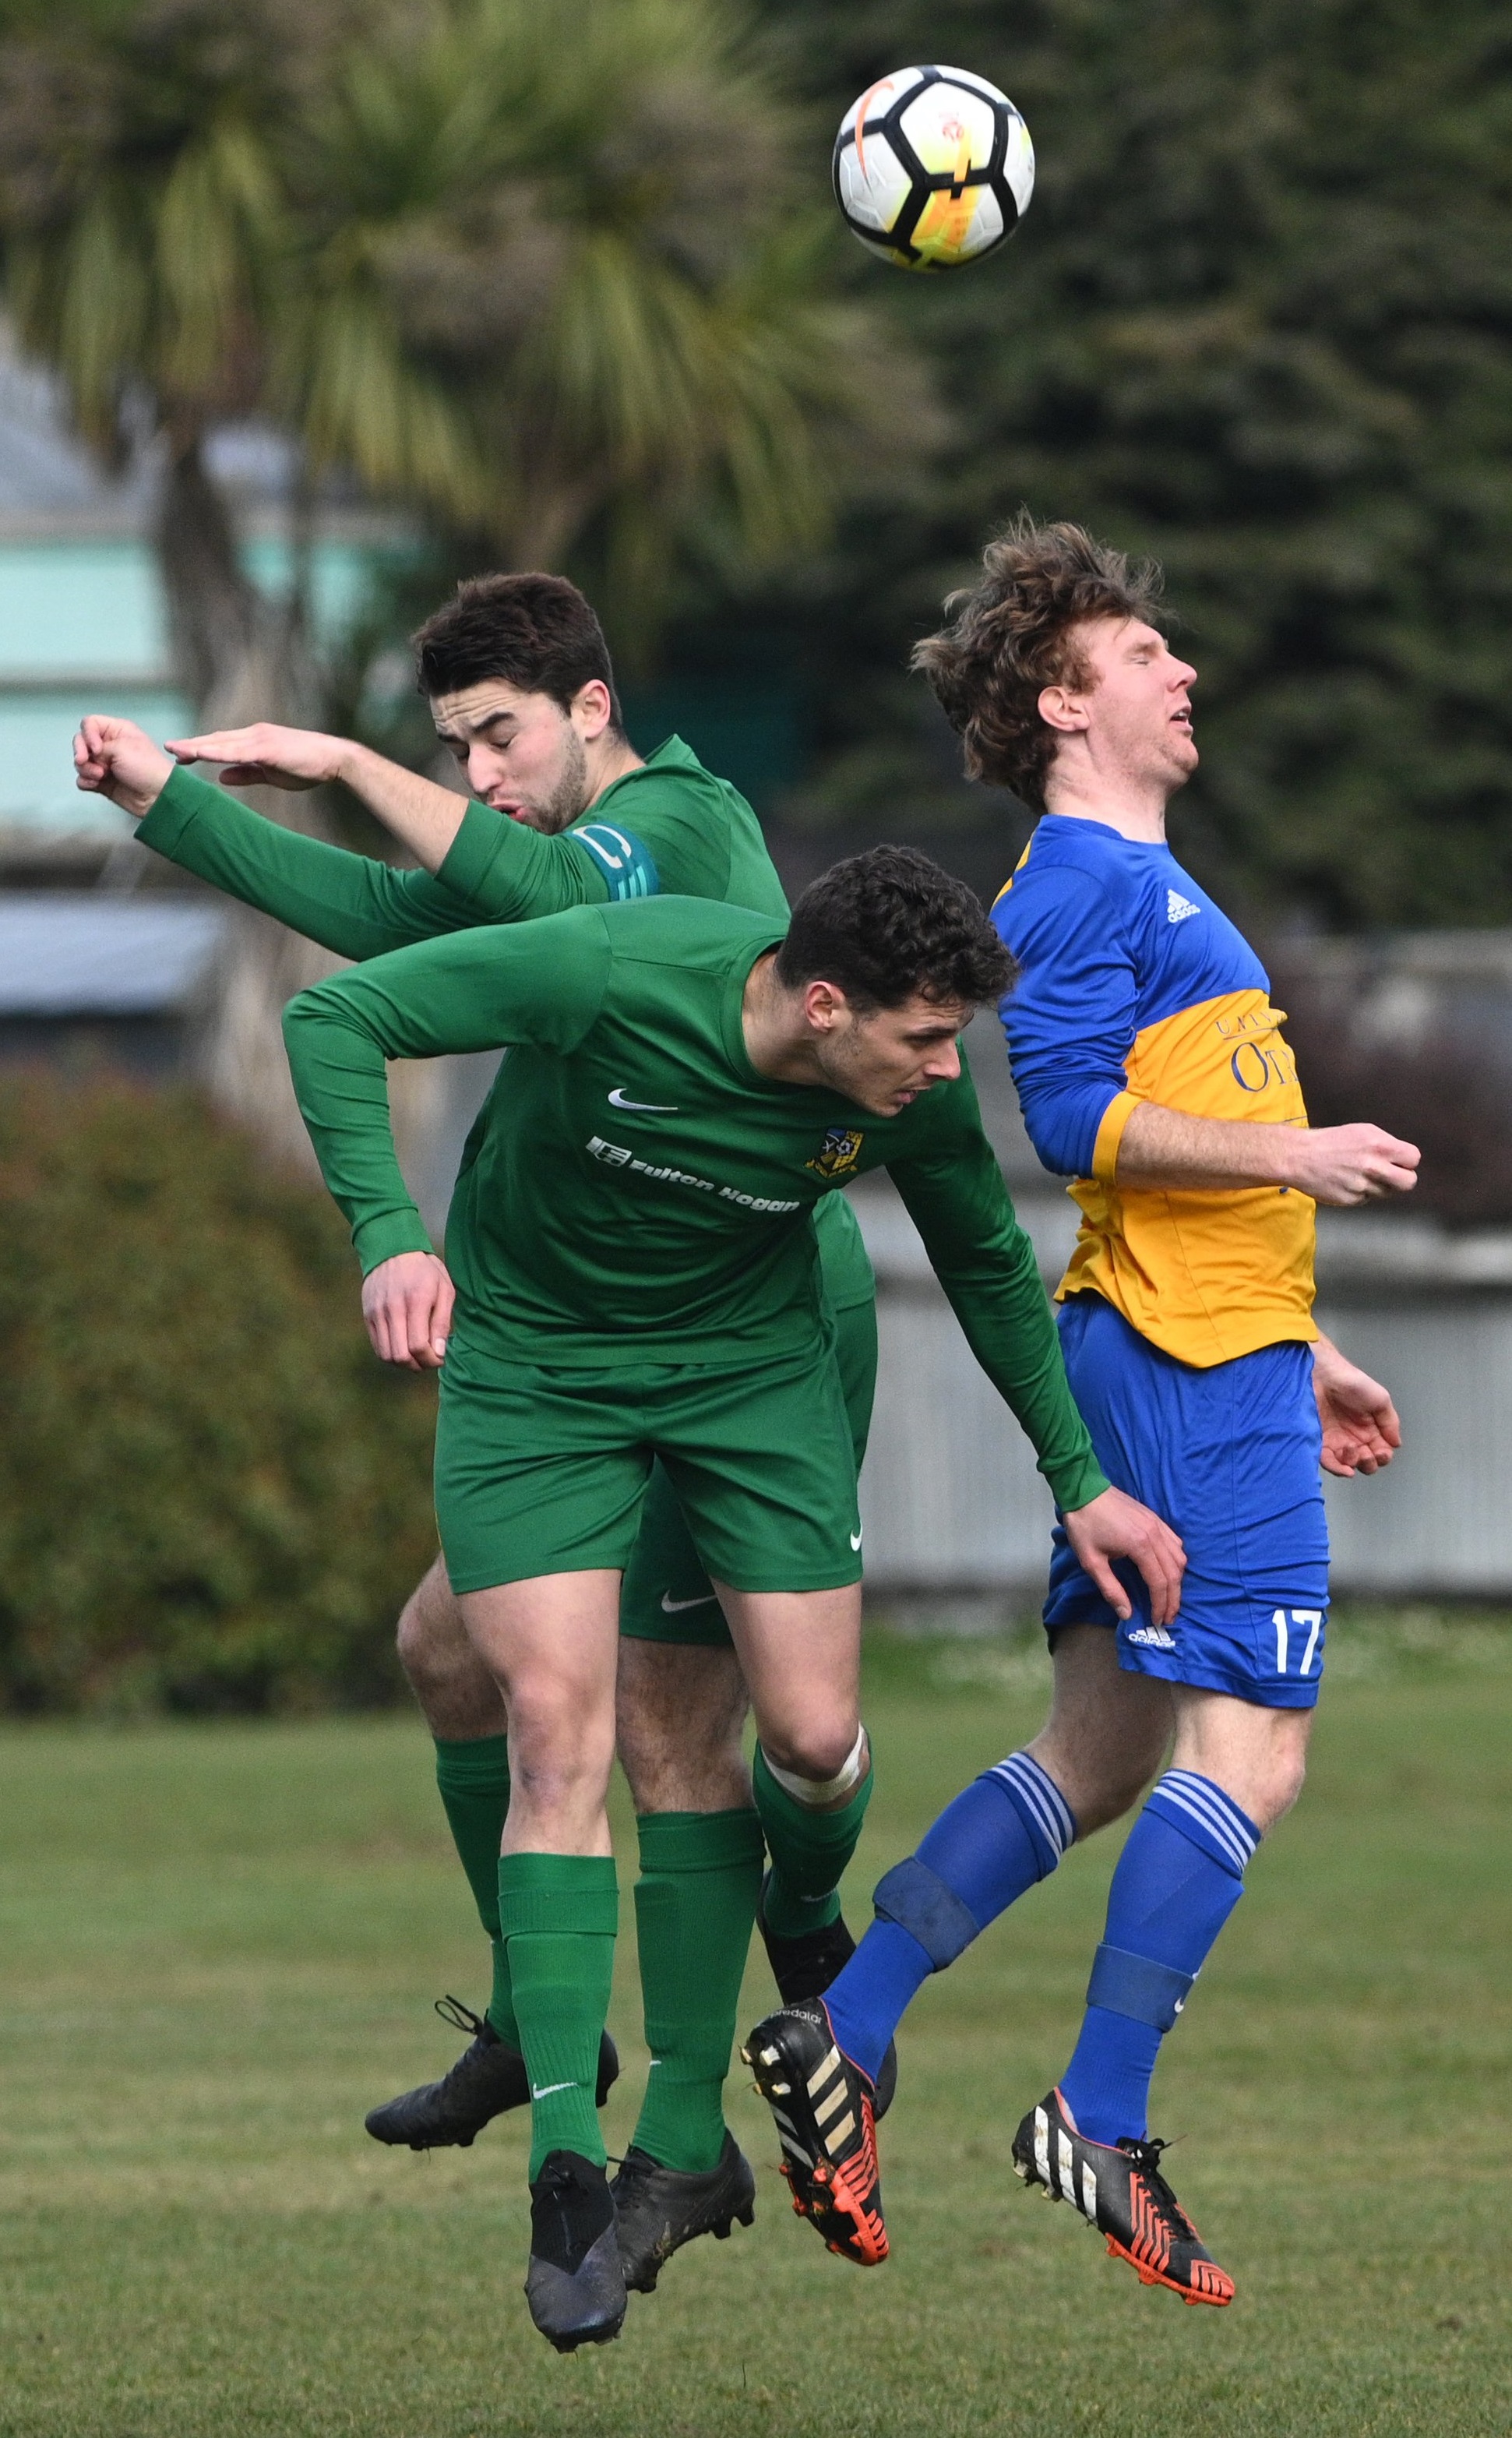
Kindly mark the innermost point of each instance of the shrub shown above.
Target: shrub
(211, 1496)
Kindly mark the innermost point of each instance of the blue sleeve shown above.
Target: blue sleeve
(1069, 1019)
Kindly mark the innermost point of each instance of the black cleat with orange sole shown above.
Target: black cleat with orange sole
(1118, 2188)
(825, 2112)
(803, 1966)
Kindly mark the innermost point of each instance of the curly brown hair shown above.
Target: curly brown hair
(1011, 635)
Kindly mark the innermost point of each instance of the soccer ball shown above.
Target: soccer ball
(933, 168)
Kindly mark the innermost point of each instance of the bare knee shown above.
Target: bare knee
(561, 1741)
(818, 1748)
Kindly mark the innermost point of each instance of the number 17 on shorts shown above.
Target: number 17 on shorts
(1298, 1642)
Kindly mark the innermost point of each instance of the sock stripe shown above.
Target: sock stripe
(1232, 1830)
(1042, 1797)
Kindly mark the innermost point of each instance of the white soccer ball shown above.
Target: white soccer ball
(933, 168)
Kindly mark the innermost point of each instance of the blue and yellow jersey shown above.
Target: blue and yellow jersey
(1133, 986)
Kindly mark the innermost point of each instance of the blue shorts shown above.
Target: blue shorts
(1230, 1457)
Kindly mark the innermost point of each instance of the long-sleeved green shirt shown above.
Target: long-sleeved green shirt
(668, 828)
(635, 1193)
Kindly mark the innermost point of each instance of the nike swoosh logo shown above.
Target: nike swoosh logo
(546, 2090)
(670, 1606)
(855, 1540)
(656, 1108)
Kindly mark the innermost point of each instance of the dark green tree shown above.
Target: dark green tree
(1259, 324)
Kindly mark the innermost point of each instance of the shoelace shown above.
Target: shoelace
(461, 2017)
(1147, 2156)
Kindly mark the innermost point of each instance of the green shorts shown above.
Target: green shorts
(546, 1473)
(666, 1594)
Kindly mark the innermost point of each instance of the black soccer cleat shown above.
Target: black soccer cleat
(575, 2283)
(1118, 2188)
(804, 1967)
(660, 2209)
(825, 2112)
(487, 2078)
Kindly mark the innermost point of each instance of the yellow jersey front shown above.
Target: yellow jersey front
(1135, 986)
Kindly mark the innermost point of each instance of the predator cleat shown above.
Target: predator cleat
(575, 2283)
(660, 2209)
(804, 1967)
(487, 2078)
(825, 2109)
(1118, 2188)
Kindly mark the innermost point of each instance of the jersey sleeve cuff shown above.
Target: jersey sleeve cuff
(1110, 1135)
(181, 801)
(396, 1232)
(470, 858)
(1076, 1484)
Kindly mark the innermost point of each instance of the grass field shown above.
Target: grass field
(220, 1945)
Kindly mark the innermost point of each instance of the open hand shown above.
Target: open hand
(265, 756)
(407, 1309)
(1116, 1526)
(115, 758)
(1361, 1428)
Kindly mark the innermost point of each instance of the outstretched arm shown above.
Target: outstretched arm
(490, 869)
(349, 903)
(420, 814)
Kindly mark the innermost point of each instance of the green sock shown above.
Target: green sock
(695, 1904)
(474, 1783)
(557, 1914)
(809, 1851)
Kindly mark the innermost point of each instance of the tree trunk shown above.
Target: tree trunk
(242, 660)
(239, 660)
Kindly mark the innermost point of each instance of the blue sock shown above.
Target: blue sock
(1006, 1831)
(1178, 1878)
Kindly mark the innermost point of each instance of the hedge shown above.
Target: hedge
(212, 1497)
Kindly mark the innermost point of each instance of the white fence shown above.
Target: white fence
(951, 1502)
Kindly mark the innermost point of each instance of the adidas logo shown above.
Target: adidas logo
(1178, 907)
(1154, 1637)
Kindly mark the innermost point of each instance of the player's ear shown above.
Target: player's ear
(592, 711)
(823, 1005)
(1061, 710)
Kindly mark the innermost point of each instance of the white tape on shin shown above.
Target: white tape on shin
(817, 1792)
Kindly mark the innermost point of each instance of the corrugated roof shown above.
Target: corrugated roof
(79, 954)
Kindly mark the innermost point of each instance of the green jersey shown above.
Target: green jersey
(635, 1193)
(670, 828)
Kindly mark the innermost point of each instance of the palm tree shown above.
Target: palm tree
(533, 267)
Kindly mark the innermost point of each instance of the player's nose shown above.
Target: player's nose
(944, 1065)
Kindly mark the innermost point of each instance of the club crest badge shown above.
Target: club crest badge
(838, 1155)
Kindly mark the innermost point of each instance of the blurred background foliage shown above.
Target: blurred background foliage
(211, 1496)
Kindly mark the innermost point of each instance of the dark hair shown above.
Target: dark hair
(537, 631)
(1009, 637)
(891, 923)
